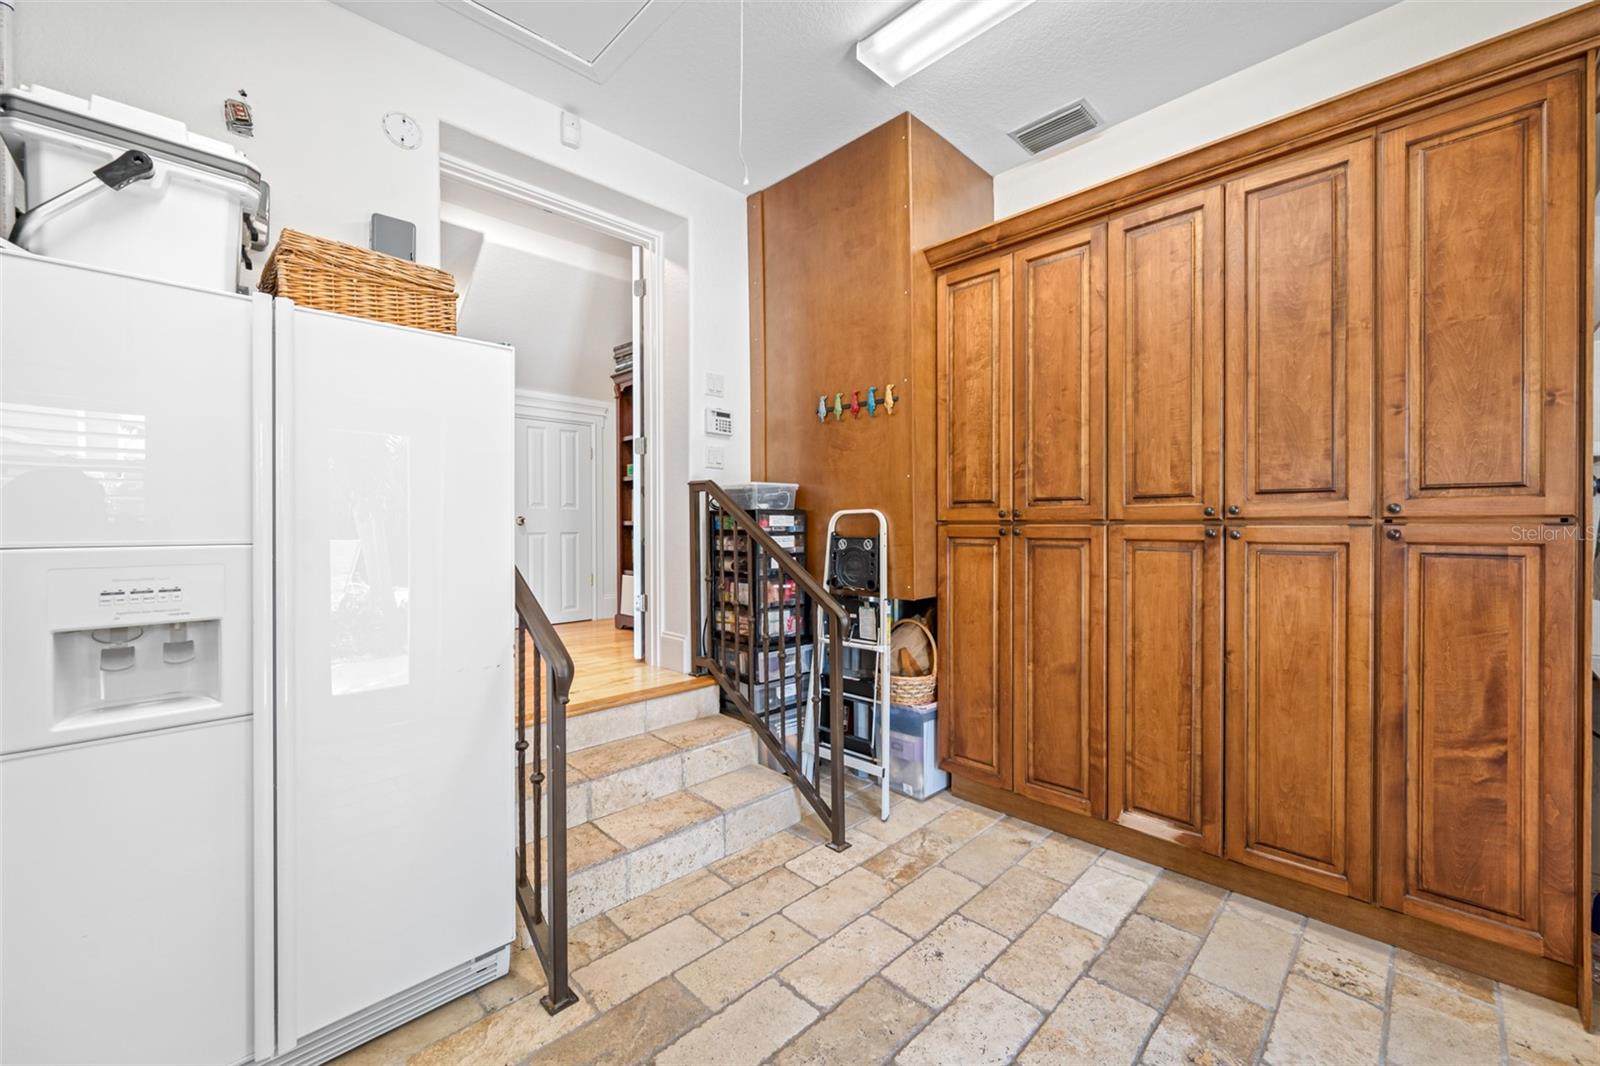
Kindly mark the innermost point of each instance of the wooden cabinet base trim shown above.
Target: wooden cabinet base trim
(1538, 975)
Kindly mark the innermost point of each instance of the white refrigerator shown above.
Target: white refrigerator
(395, 704)
(255, 672)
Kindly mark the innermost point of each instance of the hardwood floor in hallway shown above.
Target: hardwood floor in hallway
(607, 674)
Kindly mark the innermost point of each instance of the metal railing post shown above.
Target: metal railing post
(552, 684)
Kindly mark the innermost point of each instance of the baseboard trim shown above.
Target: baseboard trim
(1541, 976)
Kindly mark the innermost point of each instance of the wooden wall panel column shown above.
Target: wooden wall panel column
(1164, 682)
(1299, 351)
(1298, 706)
(1480, 288)
(974, 369)
(1478, 730)
(1164, 335)
(1057, 614)
(974, 652)
(842, 301)
(1059, 378)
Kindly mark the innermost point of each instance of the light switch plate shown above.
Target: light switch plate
(715, 457)
(715, 383)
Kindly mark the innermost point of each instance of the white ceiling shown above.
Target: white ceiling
(677, 92)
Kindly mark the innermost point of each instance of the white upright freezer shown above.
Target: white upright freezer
(395, 820)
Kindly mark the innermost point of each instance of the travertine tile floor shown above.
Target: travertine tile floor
(950, 934)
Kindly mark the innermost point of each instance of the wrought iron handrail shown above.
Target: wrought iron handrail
(735, 641)
(545, 918)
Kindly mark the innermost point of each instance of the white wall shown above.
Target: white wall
(320, 80)
(559, 293)
(1388, 42)
(562, 320)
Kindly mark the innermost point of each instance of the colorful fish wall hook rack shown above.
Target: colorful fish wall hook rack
(871, 404)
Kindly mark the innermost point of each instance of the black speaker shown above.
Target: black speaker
(853, 563)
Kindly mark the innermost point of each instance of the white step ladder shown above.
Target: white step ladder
(878, 765)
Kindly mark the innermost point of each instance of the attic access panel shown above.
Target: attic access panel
(592, 39)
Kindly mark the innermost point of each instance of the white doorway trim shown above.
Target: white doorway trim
(650, 363)
(595, 414)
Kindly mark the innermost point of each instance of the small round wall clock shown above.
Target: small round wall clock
(402, 129)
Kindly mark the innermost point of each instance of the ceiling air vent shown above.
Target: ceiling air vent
(1057, 127)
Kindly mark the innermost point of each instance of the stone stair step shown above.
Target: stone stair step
(642, 716)
(621, 856)
(753, 800)
(620, 774)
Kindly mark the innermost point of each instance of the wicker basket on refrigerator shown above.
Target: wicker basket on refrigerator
(332, 276)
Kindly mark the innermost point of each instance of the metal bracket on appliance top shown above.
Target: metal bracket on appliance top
(129, 167)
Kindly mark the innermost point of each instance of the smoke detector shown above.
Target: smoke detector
(1058, 127)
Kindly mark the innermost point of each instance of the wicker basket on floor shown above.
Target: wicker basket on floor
(910, 690)
(332, 276)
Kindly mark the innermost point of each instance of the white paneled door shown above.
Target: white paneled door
(557, 515)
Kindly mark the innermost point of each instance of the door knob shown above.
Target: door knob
(521, 521)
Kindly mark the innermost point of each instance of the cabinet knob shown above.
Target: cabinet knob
(1211, 531)
(1234, 534)
(1016, 514)
(1392, 534)
(1004, 530)
(1002, 512)
(1393, 508)
(1210, 511)
(1233, 508)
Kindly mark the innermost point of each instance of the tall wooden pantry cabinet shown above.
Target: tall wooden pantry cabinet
(1260, 487)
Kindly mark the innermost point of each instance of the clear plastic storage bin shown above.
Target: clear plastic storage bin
(763, 495)
(914, 750)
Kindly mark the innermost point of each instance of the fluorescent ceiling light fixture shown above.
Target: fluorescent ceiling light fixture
(927, 31)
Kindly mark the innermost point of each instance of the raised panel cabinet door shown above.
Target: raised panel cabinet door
(1479, 285)
(1058, 676)
(1164, 362)
(1058, 378)
(1297, 712)
(1299, 349)
(975, 652)
(1164, 682)
(1478, 730)
(974, 372)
